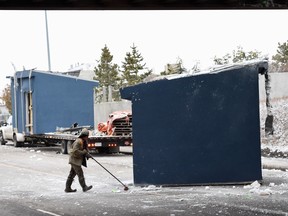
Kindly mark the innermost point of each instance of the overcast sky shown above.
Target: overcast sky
(160, 36)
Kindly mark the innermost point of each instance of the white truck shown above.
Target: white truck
(6, 131)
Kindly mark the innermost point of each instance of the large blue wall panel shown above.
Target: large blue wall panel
(199, 129)
(58, 100)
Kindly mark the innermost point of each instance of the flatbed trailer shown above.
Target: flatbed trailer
(108, 144)
(99, 144)
(64, 137)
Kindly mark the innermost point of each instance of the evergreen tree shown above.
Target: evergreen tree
(107, 74)
(176, 68)
(134, 71)
(238, 55)
(223, 60)
(281, 58)
(195, 68)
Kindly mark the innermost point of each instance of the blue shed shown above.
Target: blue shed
(197, 129)
(41, 101)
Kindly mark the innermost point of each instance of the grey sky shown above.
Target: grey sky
(161, 36)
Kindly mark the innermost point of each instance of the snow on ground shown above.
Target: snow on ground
(275, 145)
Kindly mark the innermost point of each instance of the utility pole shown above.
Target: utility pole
(47, 37)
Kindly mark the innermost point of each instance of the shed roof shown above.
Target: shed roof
(215, 69)
(30, 73)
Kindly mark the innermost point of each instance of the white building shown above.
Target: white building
(4, 113)
(83, 71)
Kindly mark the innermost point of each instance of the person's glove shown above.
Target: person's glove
(88, 156)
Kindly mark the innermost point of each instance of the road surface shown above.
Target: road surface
(33, 180)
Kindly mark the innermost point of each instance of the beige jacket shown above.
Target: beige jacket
(77, 153)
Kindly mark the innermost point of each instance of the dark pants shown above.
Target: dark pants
(76, 170)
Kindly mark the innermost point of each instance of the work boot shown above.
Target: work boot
(83, 185)
(68, 188)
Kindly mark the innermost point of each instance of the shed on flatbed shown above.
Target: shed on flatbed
(198, 129)
(42, 101)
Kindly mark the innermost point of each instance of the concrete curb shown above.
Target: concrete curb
(126, 149)
(267, 163)
(275, 163)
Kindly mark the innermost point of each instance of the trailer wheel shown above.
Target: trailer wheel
(64, 147)
(16, 143)
(69, 146)
(108, 150)
(3, 142)
(113, 150)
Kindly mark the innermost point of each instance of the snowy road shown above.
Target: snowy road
(32, 183)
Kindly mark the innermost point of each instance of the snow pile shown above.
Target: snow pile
(255, 188)
(275, 145)
(151, 188)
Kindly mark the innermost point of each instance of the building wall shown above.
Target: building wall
(102, 110)
(279, 86)
(4, 113)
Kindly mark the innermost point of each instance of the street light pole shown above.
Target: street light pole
(47, 37)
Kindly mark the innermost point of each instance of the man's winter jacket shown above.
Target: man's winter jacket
(78, 153)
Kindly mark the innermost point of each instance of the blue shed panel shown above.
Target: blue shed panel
(57, 100)
(198, 129)
(13, 103)
(23, 85)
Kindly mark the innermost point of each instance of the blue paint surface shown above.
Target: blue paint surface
(58, 100)
(198, 129)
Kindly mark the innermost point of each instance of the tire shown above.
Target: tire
(114, 150)
(64, 147)
(108, 150)
(2, 140)
(16, 143)
(102, 150)
(69, 146)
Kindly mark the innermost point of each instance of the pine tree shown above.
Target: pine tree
(281, 58)
(107, 74)
(134, 71)
(238, 55)
(221, 61)
(176, 68)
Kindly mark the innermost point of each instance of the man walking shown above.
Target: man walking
(77, 158)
